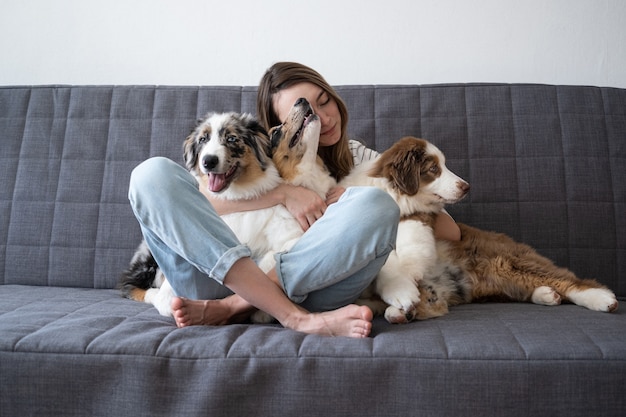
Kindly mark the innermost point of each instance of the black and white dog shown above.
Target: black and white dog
(230, 155)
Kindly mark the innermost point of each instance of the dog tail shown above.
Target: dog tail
(140, 275)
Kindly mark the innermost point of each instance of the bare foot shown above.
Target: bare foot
(188, 312)
(351, 321)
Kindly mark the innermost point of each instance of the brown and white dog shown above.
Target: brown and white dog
(229, 154)
(482, 266)
(414, 173)
(490, 266)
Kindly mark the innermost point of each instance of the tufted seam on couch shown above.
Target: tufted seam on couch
(11, 192)
(49, 322)
(616, 181)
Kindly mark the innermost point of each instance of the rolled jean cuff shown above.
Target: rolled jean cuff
(298, 299)
(227, 260)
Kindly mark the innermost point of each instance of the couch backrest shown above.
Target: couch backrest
(546, 164)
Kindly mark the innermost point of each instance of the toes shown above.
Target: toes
(177, 303)
(366, 313)
(364, 331)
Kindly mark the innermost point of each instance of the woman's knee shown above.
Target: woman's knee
(376, 203)
(149, 171)
(155, 173)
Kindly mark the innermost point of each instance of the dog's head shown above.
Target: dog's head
(296, 140)
(415, 169)
(227, 148)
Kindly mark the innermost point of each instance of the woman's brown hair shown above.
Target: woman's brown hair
(281, 75)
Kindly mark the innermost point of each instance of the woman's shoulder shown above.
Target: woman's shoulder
(361, 153)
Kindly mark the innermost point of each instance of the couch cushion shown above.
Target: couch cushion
(101, 322)
(475, 358)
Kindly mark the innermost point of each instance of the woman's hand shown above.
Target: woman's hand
(333, 195)
(305, 205)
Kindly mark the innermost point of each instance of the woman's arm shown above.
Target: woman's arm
(305, 205)
(446, 228)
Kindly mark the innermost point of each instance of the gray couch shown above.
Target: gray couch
(547, 165)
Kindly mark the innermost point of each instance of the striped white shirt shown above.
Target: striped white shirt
(361, 153)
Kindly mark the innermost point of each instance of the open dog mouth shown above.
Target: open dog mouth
(218, 182)
(309, 116)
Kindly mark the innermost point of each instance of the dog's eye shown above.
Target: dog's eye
(276, 132)
(231, 139)
(434, 169)
(203, 138)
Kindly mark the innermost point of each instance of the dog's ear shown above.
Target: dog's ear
(254, 126)
(401, 165)
(257, 138)
(405, 171)
(275, 135)
(190, 145)
(190, 150)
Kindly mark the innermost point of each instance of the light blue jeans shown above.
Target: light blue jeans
(333, 262)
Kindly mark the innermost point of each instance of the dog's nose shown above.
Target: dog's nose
(209, 162)
(301, 101)
(464, 186)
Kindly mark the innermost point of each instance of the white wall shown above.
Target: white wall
(231, 42)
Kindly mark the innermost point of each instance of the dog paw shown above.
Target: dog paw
(428, 294)
(596, 299)
(261, 317)
(398, 316)
(403, 298)
(546, 296)
(161, 299)
(432, 304)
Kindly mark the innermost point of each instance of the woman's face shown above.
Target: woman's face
(323, 105)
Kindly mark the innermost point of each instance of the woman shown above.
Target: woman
(282, 84)
(205, 264)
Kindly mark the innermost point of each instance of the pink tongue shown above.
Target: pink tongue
(216, 182)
